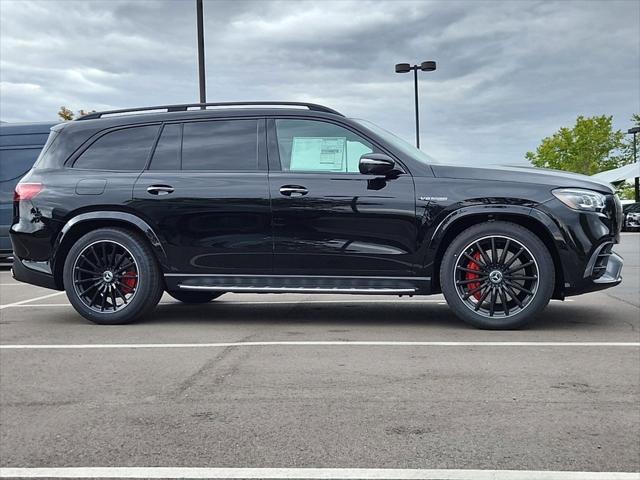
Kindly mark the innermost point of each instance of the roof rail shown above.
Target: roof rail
(186, 106)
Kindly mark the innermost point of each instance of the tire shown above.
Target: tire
(505, 293)
(111, 277)
(194, 297)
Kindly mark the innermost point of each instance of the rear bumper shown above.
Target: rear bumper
(23, 273)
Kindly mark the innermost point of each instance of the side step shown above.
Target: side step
(237, 289)
(299, 284)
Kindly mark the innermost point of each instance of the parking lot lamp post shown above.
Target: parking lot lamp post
(427, 66)
(634, 131)
(201, 74)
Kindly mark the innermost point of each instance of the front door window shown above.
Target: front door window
(314, 146)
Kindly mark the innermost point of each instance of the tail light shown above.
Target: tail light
(27, 191)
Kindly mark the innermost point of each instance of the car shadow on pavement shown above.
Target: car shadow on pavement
(557, 316)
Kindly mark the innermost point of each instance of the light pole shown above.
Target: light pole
(634, 131)
(201, 76)
(428, 66)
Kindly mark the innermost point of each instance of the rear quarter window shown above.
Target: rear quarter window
(123, 149)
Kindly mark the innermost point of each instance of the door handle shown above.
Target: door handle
(160, 189)
(293, 190)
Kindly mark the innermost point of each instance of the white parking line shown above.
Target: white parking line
(267, 302)
(310, 473)
(319, 343)
(30, 300)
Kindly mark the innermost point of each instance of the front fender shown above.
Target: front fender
(545, 226)
(441, 229)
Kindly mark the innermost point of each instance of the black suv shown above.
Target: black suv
(199, 200)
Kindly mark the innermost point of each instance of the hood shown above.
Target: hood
(540, 176)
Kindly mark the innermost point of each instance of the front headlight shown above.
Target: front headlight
(578, 199)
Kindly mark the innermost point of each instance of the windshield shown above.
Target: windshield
(397, 142)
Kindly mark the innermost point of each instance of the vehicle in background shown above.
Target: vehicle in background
(631, 213)
(20, 145)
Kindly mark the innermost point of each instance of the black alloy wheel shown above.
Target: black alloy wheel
(111, 276)
(497, 275)
(105, 276)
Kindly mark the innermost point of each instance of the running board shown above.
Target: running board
(238, 289)
(298, 284)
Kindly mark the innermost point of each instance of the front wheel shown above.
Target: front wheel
(497, 275)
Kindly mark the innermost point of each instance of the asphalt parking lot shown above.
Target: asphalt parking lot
(421, 390)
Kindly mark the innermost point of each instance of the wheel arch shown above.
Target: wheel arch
(533, 220)
(83, 223)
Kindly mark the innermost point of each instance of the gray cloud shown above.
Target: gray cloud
(508, 73)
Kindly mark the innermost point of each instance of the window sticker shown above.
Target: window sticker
(324, 154)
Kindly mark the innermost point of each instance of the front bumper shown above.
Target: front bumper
(584, 243)
(603, 270)
(604, 266)
(612, 275)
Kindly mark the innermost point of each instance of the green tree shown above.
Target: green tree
(66, 114)
(626, 152)
(626, 190)
(589, 147)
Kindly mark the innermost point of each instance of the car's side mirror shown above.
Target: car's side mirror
(376, 164)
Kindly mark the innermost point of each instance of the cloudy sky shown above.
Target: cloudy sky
(509, 73)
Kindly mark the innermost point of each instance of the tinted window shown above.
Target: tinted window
(126, 149)
(24, 139)
(14, 163)
(631, 207)
(312, 146)
(167, 153)
(61, 144)
(220, 145)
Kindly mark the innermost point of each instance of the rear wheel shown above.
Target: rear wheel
(497, 275)
(111, 277)
(194, 297)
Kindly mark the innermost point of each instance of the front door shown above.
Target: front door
(205, 193)
(328, 219)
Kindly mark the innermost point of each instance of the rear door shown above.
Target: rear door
(329, 219)
(205, 194)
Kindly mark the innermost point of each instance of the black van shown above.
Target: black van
(20, 145)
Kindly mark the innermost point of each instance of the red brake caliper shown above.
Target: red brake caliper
(472, 276)
(129, 282)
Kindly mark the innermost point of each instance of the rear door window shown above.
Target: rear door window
(167, 153)
(124, 149)
(221, 145)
